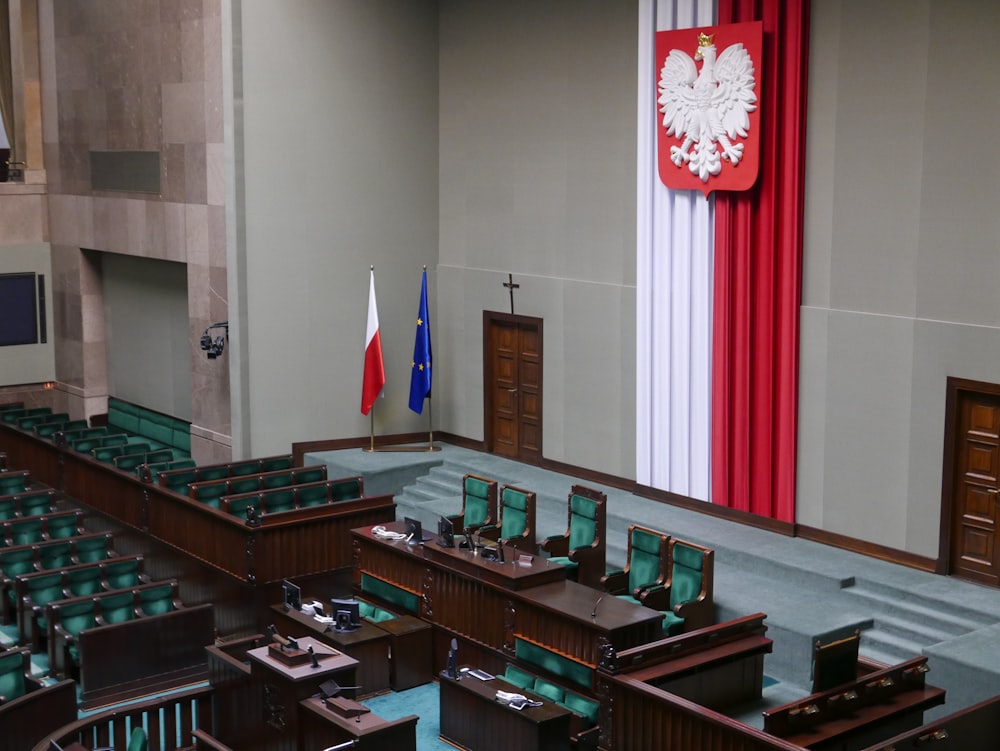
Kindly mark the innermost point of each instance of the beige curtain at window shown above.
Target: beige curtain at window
(6, 78)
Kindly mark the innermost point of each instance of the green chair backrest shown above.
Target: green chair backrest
(113, 439)
(278, 500)
(645, 563)
(128, 462)
(312, 495)
(92, 549)
(251, 467)
(7, 509)
(179, 482)
(62, 526)
(55, 555)
(315, 474)
(77, 616)
(686, 573)
(85, 581)
(156, 600)
(212, 473)
(35, 505)
(345, 490)
(118, 607)
(159, 455)
(122, 574)
(238, 506)
(12, 680)
(582, 522)
(25, 532)
(477, 502)
(17, 561)
(211, 493)
(514, 513)
(13, 483)
(274, 463)
(45, 588)
(107, 454)
(246, 485)
(282, 480)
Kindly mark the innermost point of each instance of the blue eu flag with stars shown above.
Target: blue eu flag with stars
(420, 377)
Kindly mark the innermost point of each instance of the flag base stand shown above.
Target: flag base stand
(389, 449)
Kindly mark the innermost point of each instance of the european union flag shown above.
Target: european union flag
(420, 377)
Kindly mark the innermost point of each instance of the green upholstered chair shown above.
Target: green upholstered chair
(35, 592)
(35, 504)
(690, 585)
(30, 421)
(49, 430)
(243, 485)
(92, 548)
(177, 479)
(517, 519)
(15, 675)
(274, 463)
(303, 475)
(583, 547)
(373, 613)
(62, 526)
(123, 574)
(14, 562)
(237, 505)
(346, 488)
(250, 467)
(25, 531)
(277, 500)
(313, 494)
(158, 599)
(116, 607)
(645, 574)
(54, 555)
(517, 677)
(66, 620)
(479, 505)
(277, 480)
(13, 482)
(114, 439)
(212, 473)
(84, 579)
(128, 462)
(209, 493)
(8, 509)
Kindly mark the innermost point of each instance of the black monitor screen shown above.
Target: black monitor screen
(18, 309)
(346, 614)
(293, 595)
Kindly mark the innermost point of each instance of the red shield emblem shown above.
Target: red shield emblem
(708, 106)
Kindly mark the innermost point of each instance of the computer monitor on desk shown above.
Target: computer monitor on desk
(414, 531)
(346, 614)
(446, 532)
(292, 594)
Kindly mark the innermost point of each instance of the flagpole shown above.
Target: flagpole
(371, 445)
(430, 424)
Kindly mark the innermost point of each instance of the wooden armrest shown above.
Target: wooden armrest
(615, 582)
(556, 545)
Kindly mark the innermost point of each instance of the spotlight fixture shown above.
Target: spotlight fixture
(214, 346)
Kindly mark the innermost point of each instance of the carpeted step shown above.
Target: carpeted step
(946, 619)
(883, 646)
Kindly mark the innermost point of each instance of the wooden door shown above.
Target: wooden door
(512, 371)
(975, 484)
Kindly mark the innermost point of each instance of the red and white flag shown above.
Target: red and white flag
(374, 378)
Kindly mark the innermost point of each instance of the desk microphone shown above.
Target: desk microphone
(312, 654)
(593, 613)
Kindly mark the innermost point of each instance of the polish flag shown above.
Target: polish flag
(374, 378)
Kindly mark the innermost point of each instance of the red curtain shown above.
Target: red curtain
(758, 261)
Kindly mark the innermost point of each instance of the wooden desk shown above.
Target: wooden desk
(323, 727)
(411, 651)
(283, 686)
(472, 718)
(491, 603)
(369, 645)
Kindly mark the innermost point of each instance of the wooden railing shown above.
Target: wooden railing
(169, 722)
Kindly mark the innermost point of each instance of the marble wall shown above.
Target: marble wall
(136, 76)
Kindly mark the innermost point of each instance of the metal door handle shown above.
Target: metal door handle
(993, 491)
(511, 391)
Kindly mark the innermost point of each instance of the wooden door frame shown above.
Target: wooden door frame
(956, 388)
(491, 317)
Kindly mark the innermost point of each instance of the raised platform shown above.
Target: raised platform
(386, 472)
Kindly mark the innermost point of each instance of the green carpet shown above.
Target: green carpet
(422, 701)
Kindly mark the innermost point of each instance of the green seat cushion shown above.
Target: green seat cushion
(365, 609)
(564, 561)
(672, 624)
(519, 678)
(55, 555)
(379, 615)
(92, 549)
(12, 484)
(61, 527)
(85, 581)
(16, 562)
(25, 532)
(35, 505)
(582, 706)
(77, 616)
(122, 574)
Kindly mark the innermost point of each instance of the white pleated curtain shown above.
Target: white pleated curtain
(675, 240)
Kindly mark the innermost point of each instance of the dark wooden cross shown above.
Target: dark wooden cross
(509, 284)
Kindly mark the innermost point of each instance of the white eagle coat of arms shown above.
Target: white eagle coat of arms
(707, 114)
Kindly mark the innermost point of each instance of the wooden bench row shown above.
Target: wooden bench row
(28, 503)
(52, 526)
(210, 490)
